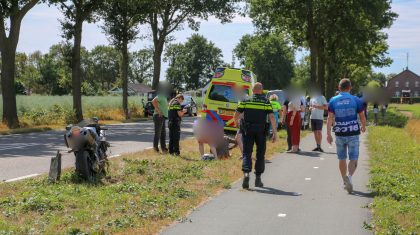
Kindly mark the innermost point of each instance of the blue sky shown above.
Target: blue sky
(41, 29)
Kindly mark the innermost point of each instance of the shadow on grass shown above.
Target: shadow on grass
(189, 159)
(273, 191)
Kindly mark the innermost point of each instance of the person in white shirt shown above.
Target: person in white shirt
(318, 104)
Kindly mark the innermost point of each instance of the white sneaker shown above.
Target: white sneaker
(348, 185)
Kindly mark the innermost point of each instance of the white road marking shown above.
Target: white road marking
(315, 167)
(281, 215)
(321, 158)
(307, 179)
(21, 178)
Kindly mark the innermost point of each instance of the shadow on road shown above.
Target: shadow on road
(362, 194)
(309, 154)
(273, 191)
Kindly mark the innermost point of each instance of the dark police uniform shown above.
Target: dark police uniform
(254, 128)
(174, 123)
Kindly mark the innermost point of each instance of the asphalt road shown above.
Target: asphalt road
(303, 194)
(29, 154)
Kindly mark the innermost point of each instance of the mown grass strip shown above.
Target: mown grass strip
(395, 181)
(142, 193)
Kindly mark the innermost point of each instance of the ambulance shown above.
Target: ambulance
(226, 88)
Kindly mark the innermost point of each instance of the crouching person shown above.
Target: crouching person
(211, 133)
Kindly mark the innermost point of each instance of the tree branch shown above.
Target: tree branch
(68, 10)
(27, 7)
(177, 23)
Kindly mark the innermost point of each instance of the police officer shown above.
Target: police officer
(254, 127)
(175, 116)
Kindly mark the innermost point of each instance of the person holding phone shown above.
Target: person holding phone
(175, 117)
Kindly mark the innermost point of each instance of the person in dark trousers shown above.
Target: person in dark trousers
(175, 117)
(160, 103)
(254, 127)
(375, 113)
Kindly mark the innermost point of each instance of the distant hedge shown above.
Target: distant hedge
(397, 100)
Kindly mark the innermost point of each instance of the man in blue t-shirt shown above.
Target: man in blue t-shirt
(343, 112)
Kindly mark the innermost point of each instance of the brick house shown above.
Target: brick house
(406, 81)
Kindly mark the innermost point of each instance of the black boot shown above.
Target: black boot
(245, 183)
(258, 182)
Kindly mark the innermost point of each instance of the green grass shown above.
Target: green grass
(142, 193)
(412, 108)
(395, 181)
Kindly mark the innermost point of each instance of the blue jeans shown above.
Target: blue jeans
(347, 145)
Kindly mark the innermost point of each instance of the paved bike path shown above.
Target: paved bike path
(303, 195)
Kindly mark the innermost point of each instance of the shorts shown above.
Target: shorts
(317, 124)
(347, 144)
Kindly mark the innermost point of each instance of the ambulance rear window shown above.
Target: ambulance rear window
(224, 93)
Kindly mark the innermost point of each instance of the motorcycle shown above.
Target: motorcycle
(87, 140)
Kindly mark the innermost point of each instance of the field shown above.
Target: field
(37, 113)
(411, 108)
(142, 193)
(46, 112)
(395, 170)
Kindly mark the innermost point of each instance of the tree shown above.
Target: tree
(301, 74)
(77, 12)
(176, 74)
(121, 24)
(168, 16)
(269, 57)
(203, 58)
(12, 13)
(27, 70)
(141, 66)
(104, 64)
(340, 35)
(192, 62)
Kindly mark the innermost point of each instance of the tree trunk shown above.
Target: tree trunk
(124, 77)
(75, 75)
(8, 53)
(312, 41)
(321, 67)
(157, 63)
(332, 79)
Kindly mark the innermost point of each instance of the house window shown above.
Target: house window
(417, 84)
(397, 84)
(407, 84)
(397, 94)
(416, 94)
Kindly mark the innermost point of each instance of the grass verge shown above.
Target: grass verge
(395, 181)
(142, 193)
(412, 108)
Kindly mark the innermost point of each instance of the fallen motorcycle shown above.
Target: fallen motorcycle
(87, 140)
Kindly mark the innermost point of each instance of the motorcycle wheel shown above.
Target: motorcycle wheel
(82, 165)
